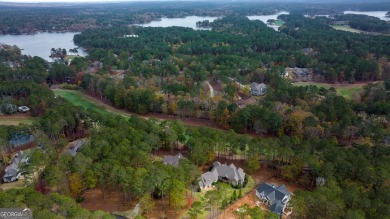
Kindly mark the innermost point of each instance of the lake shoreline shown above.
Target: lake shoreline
(41, 43)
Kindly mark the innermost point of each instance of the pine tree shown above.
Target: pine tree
(234, 196)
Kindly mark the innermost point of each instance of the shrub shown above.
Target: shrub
(69, 86)
(8, 108)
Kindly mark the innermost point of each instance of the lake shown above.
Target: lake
(378, 14)
(40, 44)
(265, 18)
(189, 21)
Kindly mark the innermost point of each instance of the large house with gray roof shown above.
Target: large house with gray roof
(12, 171)
(223, 172)
(258, 89)
(172, 160)
(275, 197)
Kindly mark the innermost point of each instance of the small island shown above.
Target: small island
(387, 14)
(204, 24)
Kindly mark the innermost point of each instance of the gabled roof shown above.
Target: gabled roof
(12, 170)
(258, 86)
(272, 192)
(173, 160)
(11, 173)
(73, 150)
(208, 178)
(216, 163)
(229, 172)
(276, 207)
(282, 188)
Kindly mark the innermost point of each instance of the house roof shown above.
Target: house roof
(10, 173)
(222, 170)
(258, 86)
(208, 178)
(13, 169)
(76, 146)
(173, 160)
(276, 207)
(230, 172)
(216, 163)
(275, 195)
(282, 188)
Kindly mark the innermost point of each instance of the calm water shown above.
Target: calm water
(265, 18)
(378, 14)
(40, 44)
(189, 21)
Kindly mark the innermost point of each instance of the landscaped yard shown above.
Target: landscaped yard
(348, 91)
(229, 192)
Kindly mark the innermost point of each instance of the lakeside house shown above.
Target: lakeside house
(301, 72)
(130, 36)
(275, 197)
(258, 89)
(173, 160)
(223, 172)
(12, 171)
(341, 23)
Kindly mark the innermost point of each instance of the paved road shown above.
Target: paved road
(239, 84)
(211, 89)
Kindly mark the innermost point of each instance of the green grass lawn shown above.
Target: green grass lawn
(279, 23)
(346, 28)
(250, 185)
(347, 91)
(79, 99)
(326, 86)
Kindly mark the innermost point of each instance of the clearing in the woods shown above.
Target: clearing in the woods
(348, 91)
(16, 119)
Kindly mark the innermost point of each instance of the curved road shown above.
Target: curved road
(211, 89)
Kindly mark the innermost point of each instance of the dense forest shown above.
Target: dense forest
(335, 149)
(251, 44)
(117, 155)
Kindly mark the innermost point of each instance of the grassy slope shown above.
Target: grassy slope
(79, 99)
(346, 28)
(347, 91)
